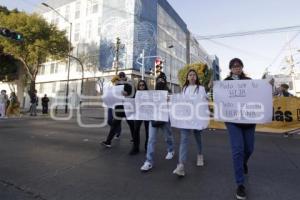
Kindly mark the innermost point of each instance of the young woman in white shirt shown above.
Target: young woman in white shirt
(191, 86)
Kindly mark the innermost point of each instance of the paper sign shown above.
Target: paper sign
(152, 105)
(189, 111)
(129, 107)
(243, 101)
(113, 96)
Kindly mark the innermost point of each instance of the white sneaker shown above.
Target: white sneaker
(170, 155)
(179, 171)
(146, 166)
(200, 160)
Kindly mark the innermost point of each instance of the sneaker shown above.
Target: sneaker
(106, 144)
(240, 192)
(200, 160)
(146, 166)
(245, 168)
(170, 155)
(179, 171)
(117, 137)
(134, 152)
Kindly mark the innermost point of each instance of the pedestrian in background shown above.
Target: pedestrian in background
(34, 100)
(3, 103)
(45, 101)
(241, 136)
(191, 86)
(283, 91)
(142, 85)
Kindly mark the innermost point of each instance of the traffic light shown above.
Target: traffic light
(11, 34)
(158, 67)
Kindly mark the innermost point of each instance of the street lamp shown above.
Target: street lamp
(69, 61)
(170, 68)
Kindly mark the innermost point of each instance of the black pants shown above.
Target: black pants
(45, 109)
(116, 123)
(136, 134)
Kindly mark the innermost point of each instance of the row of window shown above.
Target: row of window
(91, 7)
(88, 29)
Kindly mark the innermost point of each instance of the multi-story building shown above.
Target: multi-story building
(152, 27)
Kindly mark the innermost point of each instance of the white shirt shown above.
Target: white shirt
(192, 89)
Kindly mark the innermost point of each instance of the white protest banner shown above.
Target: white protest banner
(129, 107)
(152, 105)
(243, 101)
(113, 96)
(189, 111)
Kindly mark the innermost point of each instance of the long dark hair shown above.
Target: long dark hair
(239, 61)
(142, 81)
(186, 83)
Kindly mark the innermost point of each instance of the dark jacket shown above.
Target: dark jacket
(45, 101)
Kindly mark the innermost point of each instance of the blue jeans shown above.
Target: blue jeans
(166, 129)
(242, 146)
(184, 140)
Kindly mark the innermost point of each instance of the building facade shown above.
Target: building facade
(152, 27)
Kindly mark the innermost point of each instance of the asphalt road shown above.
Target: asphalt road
(57, 160)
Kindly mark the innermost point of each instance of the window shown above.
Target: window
(52, 68)
(41, 89)
(88, 7)
(77, 31)
(99, 26)
(67, 12)
(54, 87)
(42, 70)
(56, 68)
(95, 6)
(77, 10)
(88, 29)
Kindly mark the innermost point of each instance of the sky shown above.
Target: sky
(211, 17)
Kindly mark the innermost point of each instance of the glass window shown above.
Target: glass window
(53, 87)
(88, 7)
(67, 12)
(52, 66)
(77, 10)
(88, 29)
(99, 26)
(77, 31)
(95, 6)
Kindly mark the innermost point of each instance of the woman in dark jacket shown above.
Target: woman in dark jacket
(142, 85)
(241, 135)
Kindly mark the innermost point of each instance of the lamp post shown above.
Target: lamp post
(69, 60)
(170, 47)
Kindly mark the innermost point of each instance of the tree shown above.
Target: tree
(204, 73)
(8, 68)
(42, 41)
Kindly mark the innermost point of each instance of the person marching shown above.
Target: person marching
(142, 85)
(191, 86)
(155, 126)
(241, 135)
(119, 112)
